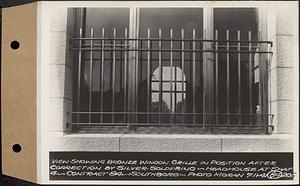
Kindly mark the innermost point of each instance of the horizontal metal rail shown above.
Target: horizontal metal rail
(171, 50)
(174, 39)
(122, 45)
(168, 113)
(167, 124)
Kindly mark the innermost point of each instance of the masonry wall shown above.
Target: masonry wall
(282, 27)
(282, 72)
(60, 69)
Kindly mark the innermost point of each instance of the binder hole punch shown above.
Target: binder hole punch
(15, 45)
(16, 148)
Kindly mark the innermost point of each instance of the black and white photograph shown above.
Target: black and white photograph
(167, 92)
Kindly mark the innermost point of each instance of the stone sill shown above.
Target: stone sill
(172, 143)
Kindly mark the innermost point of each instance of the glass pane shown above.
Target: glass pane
(174, 79)
(107, 18)
(113, 92)
(171, 18)
(234, 20)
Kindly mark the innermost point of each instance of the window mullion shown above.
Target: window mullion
(132, 57)
(208, 68)
(263, 67)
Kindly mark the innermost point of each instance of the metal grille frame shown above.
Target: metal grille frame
(130, 52)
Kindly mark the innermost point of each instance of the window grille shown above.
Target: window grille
(156, 84)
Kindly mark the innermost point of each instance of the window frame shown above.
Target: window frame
(208, 33)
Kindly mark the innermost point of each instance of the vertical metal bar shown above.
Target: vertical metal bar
(111, 63)
(250, 76)
(175, 90)
(194, 75)
(260, 99)
(140, 67)
(148, 75)
(113, 74)
(125, 74)
(171, 76)
(140, 76)
(102, 74)
(91, 75)
(228, 77)
(160, 75)
(137, 64)
(79, 75)
(268, 94)
(141, 62)
(239, 76)
(182, 75)
(203, 81)
(120, 64)
(270, 119)
(111, 58)
(136, 75)
(217, 78)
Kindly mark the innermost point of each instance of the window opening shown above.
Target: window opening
(144, 68)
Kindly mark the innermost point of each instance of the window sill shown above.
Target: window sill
(173, 143)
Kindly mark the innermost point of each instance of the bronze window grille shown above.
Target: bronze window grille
(132, 93)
